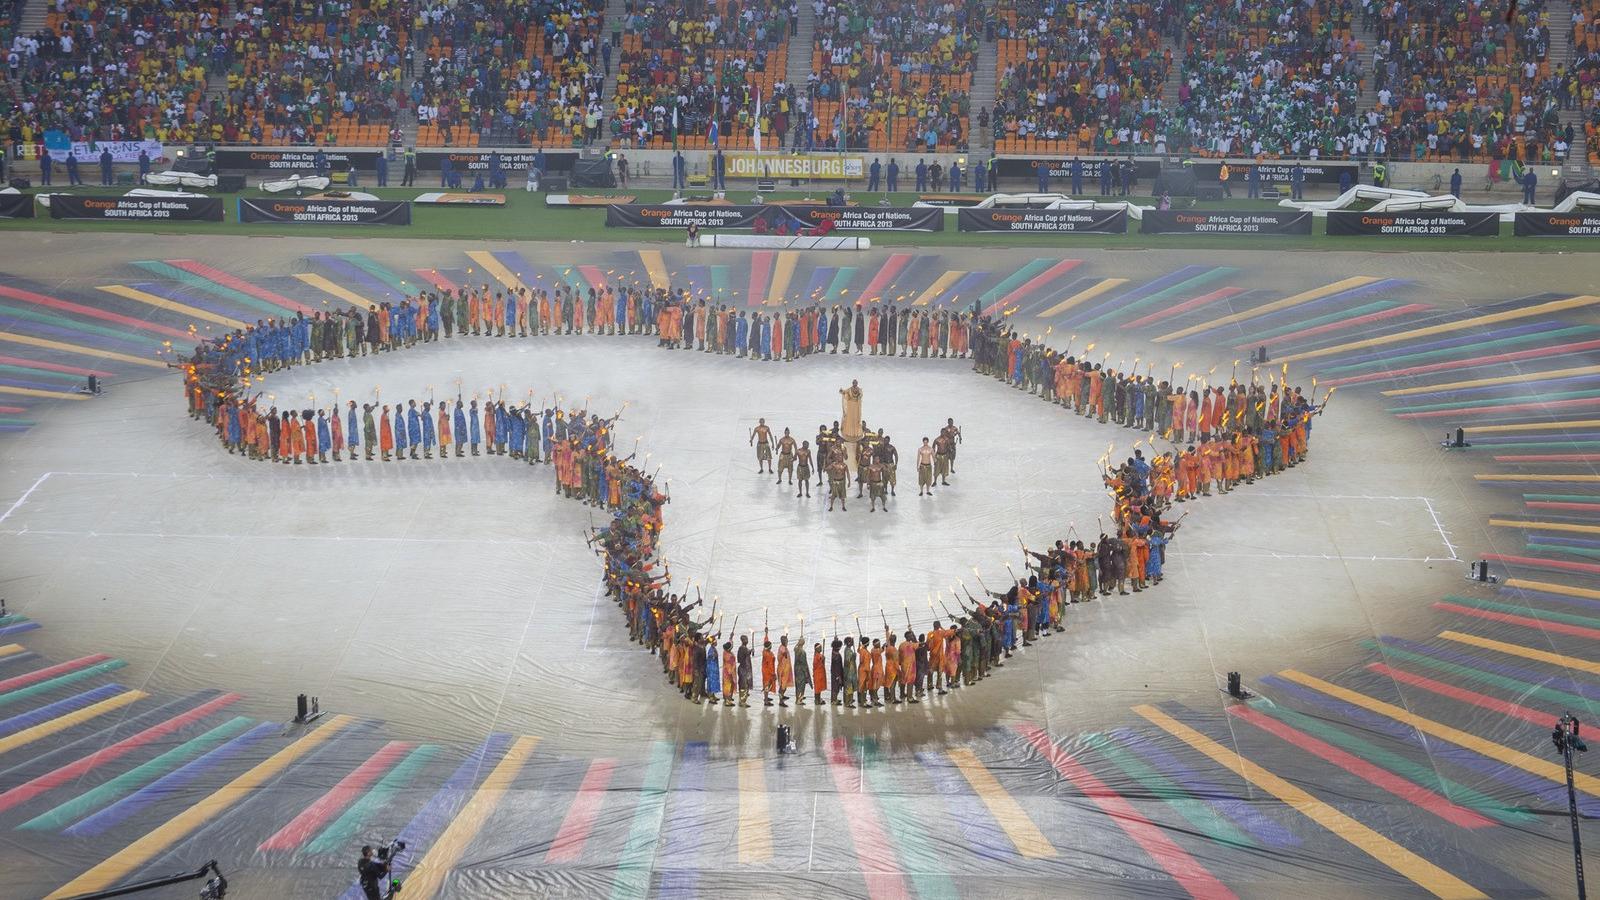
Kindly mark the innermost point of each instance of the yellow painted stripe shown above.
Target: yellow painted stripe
(1533, 653)
(755, 819)
(939, 286)
(427, 879)
(1547, 526)
(1030, 842)
(35, 392)
(1344, 284)
(1538, 310)
(1088, 293)
(1414, 868)
(781, 275)
(1533, 765)
(139, 853)
(1551, 587)
(80, 350)
(497, 269)
(656, 268)
(1571, 424)
(149, 299)
(1558, 478)
(328, 287)
(10, 650)
(1501, 379)
(62, 723)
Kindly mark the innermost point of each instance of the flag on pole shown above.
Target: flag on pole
(711, 136)
(674, 126)
(756, 123)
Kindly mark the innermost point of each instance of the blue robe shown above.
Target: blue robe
(413, 426)
(713, 670)
(400, 442)
(473, 420)
(1158, 543)
(741, 335)
(352, 434)
(427, 431)
(461, 424)
(233, 425)
(547, 430)
(324, 439)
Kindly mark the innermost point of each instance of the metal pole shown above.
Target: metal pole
(1572, 815)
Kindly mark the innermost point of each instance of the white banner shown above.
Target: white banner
(121, 151)
(792, 165)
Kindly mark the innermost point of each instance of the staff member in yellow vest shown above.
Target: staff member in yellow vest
(1222, 178)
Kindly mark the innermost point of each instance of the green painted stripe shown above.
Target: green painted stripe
(1362, 310)
(1187, 286)
(379, 271)
(1537, 445)
(190, 279)
(919, 857)
(639, 853)
(1558, 548)
(1529, 611)
(1426, 776)
(1467, 351)
(120, 334)
(342, 831)
(30, 372)
(1199, 813)
(1504, 682)
(60, 681)
(719, 284)
(839, 284)
(133, 779)
(24, 423)
(1529, 397)
(1018, 277)
(1567, 498)
(12, 620)
(573, 278)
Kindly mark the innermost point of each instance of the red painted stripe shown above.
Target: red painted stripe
(51, 367)
(1379, 316)
(876, 858)
(1185, 306)
(892, 267)
(1491, 615)
(1482, 701)
(91, 312)
(238, 284)
(575, 828)
(13, 409)
(1183, 868)
(760, 271)
(433, 277)
(1036, 282)
(1557, 504)
(1549, 457)
(1471, 362)
(38, 675)
(49, 781)
(312, 818)
(1537, 563)
(1406, 790)
(595, 277)
(1502, 408)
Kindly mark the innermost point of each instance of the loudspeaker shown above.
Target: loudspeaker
(21, 183)
(784, 742)
(1208, 192)
(1175, 180)
(1235, 688)
(196, 165)
(230, 184)
(555, 184)
(593, 173)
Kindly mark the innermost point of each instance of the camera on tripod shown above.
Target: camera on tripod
(387, 854)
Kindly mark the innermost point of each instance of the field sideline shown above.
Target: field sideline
(525, 217)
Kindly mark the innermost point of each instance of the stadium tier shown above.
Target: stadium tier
(1433, 80)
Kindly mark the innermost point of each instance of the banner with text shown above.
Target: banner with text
(1415, 224)
(641, 215)
(60, 147)
(325, 212)
(1240, 222)
(870, 218)
(138, 209)
(793, 165)
(1314, 172)
(16, 206)
(1577, 223)
(1080, 221)
(1013, 167)
(293, 159)
(473, 160)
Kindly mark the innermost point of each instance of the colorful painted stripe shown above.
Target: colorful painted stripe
(1535, 311)
(77, 349)
(337, 291)
(1190, 305)
(1551, 587)
(1543, 622)
(760, 273)
(61, 326)
(1533, 653)
(66, 813)
(1519, 680)
(755, 816)
(1183, 282)
(427, 879)
(229, 282)
(983, 834)
(679, 881)
(989, 299)
(496, 269)
(90, 311)
(19, 627)
(656, 267)
(874, 858)
(1184, 869)
(1545, 526)
(248, 300)
(1346, 284)
(939, 287)
(60, 681)
(381, 272)
(48, 672)
(1407, 864)
(968, 285)
(928, 874)
(435, 278)
(782, 274)
(1472, 698)
(149, 299)
(168, 785)
(839, 288)
(1205, 820)
(313, 817)
(891, 269)
(1025, 836)
(1262, 827)
(1554, 457)
(1589, 784)
(343, 829)
(349, 273)
(13, 651)
(141, 852)
(1518, 378)
(1017, 294)
(581, 815)
(1384, 311)
(639, 851)
(1386, 366)
(33, 717)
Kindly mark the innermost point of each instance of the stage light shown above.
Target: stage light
(1458, 441)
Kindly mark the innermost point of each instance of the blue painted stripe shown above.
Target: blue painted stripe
(1515, 779)
(1467, 343)
(1556, 678)
(1262, 827)
(188, 297)
(19, 627)
(350, 272)
(1216, 332)
(679, 883)
(57, 709)
(1133, 295)
(430, 821)
(90, 743)
(699, 281)
(1513, 593)
(35, 385)
(983, 834)
(965, 290)
(530, 274)
(74, 336)
(821, 277)
(169, 785)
